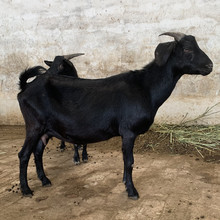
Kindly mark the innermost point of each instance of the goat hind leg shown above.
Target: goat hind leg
(62, 146)
(76, 157)
(38, 156)
(24, 156)
(84, 153)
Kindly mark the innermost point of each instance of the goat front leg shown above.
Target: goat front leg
(127, 149)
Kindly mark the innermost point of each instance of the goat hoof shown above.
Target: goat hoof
(27, 192)
(124, 181)
(136, 197)
(62, 148)
(85, 160)
(46, 182)
(47, 185)
(132, 194)
(76, 162)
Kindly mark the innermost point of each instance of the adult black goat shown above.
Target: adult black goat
(63, 66)
(86, 111)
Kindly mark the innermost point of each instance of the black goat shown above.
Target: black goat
(86, 111)
(63, 66)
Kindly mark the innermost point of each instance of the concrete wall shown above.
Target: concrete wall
(116, 36)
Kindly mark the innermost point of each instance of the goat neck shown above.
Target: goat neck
(160, 81)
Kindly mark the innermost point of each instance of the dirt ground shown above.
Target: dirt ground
(171, 186)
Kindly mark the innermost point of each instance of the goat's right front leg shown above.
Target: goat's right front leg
(127, 149)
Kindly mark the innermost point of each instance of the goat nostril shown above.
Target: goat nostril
(210, 66)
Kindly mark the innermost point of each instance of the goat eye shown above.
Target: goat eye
(189, 55)
(60, 67)
(187, 51)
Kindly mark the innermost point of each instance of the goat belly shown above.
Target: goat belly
(83, 137)
(82, 130)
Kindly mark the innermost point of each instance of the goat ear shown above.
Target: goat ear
(49, 63)
(163, 52)
(69, 63)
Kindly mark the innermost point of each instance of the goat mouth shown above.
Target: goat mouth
(205, 71)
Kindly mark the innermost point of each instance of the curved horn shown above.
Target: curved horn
(70, 56)
(177, 35)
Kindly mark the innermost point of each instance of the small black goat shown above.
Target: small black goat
(63, 66)
(84, 111)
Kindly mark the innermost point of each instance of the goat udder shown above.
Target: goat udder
(44, 139)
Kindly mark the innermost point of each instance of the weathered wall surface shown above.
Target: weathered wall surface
(116, 36)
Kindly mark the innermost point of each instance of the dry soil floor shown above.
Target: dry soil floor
(171, 186)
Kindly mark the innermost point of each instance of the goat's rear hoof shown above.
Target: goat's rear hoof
(27, 192)
(84, 157)
(46, 183)
(85, 160)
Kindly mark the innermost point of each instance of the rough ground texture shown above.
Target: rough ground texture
(171, 186)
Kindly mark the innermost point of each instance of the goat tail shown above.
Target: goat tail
(28, 73)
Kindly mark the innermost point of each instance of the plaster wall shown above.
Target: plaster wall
(115, 36)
